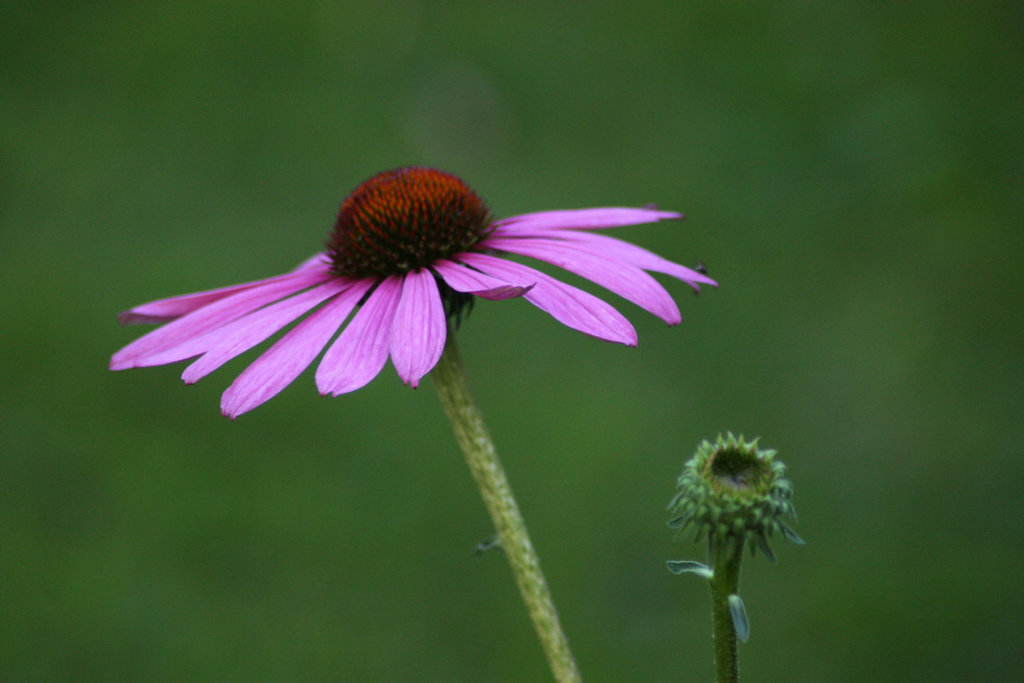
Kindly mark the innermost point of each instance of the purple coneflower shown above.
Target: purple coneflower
(409, 252)
(410, 248)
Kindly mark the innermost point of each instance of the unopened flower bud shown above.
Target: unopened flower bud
(734, 494)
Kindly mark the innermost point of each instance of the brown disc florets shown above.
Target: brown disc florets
(403, 220)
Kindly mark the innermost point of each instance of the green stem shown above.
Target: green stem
(725, 582)
(452, 386)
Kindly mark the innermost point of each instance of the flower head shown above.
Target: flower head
(409, 247)
(735, 495)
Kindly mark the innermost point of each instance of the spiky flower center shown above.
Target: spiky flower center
(737, 470)
(403, 220)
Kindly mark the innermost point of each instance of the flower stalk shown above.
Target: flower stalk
(452, 386)
(725, 582)
(735, 495)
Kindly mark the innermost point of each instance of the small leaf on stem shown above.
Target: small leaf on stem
(689, 567)
(739, 617)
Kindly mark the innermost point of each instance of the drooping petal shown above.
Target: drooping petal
(629, 282)
(234, 339)
(419, 330)
(212, 316)
(589, 219)
(616, 249)
(567, 304)
(464, 279)
(269, 374)
(360, 351)
(163, 310)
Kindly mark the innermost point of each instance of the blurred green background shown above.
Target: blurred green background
(853, 175)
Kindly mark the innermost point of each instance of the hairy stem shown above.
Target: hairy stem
(449, 379)
(725, 582)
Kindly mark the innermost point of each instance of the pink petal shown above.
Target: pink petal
(629, 282)
(568, 305)
(612, 217)
(316, 262)
(359, 353)
(269, 374)
(163, 310)
(212, 316)
(419, 329)
(617, 249)
(224, 343)
(464, 279)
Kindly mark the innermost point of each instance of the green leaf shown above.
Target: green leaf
(487, 544)
(689, 567)
(739, 617)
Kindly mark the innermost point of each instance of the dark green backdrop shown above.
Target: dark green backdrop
(853, 175)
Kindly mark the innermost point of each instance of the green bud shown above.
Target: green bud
(735, 495)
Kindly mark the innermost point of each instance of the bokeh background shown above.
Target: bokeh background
(853, 175)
